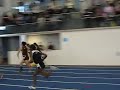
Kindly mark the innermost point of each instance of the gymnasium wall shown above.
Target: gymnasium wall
(45, 40)
(99, 47)
(92, 47)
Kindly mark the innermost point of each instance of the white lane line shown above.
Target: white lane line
(64, 72)
(112, 84)
(64, 69)
(22, 86)
(41, 81)
(67, 77)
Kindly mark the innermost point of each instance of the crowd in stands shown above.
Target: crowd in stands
(36, 15)
(107, 13)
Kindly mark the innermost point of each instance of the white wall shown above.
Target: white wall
(97, 47)
(22, 38)
(45, 39)
(88, 48)
(13, 59)
(92, 47)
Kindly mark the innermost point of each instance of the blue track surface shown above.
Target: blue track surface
(65, 78)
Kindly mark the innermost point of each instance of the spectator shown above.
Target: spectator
(70, 5)
(6, 20)
(41, 20)
(87, 16)
(36, 9)
(117, 8)
(109, 9)
(65, 9)
(99, 16)
(20, 19)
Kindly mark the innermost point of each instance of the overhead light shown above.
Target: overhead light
(2, 27)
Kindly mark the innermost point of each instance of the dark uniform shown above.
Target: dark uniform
(37, 58)
(43, 55)
(25, 53)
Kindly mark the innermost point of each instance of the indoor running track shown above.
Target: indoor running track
(64, 78)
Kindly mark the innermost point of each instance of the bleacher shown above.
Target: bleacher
(62, 18)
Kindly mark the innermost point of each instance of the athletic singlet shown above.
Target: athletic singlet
(37, 59)
(24, 50)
